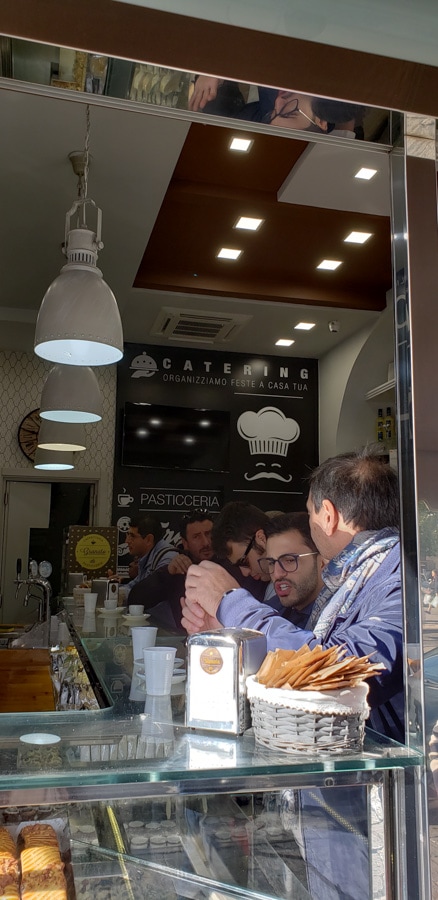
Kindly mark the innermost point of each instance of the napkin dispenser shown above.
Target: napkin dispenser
(218, 664)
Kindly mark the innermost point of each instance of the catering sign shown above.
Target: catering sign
(200, 428)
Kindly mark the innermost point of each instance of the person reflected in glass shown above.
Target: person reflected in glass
(283, 108)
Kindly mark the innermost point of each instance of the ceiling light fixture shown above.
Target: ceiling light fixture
(62, 436)
(304, 326)
(79, 321)
(71, 394)
(284, 342)
(330, 264)
(52, 460)
(241, 144)
(248, 223)
(366, 174)
(357, 237)
(228, 253)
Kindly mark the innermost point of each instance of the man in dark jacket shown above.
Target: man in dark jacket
(161, 592)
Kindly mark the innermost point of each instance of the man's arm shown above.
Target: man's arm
(372, 625)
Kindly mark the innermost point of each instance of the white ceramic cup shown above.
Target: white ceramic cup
(110, 603)
(158, 667)
(90, 602)
(142, 637)
(136, 609)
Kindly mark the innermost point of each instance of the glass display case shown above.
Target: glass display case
(143, 805)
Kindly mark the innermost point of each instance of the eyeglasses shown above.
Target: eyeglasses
(287, 561)
(290, 110)
(243, 561)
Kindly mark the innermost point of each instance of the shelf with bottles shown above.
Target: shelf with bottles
(385, 392)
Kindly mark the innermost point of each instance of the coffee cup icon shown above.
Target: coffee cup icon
(124, 499)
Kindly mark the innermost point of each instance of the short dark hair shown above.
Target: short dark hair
(294, 521)
(195, 515)
(336, 112)
(148, 524)
(361, 486)
(238, 521)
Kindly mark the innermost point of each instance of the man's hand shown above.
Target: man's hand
(195, 619)
(206, 584)
(204, 90)
(179, 564)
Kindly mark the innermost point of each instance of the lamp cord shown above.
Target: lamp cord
(83, 177)
(87, 153)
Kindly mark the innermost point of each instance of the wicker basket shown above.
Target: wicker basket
(308, 721)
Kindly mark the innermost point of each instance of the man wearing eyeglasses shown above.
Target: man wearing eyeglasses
(168, 582)
(353, 509)
(294, 566)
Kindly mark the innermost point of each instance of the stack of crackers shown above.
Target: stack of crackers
(315, 670)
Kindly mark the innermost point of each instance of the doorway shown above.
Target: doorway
(36, 518)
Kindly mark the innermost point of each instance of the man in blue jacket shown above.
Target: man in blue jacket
(353, 509)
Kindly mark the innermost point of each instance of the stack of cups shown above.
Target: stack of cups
(158, 667)
(142, 637)
(90, 599)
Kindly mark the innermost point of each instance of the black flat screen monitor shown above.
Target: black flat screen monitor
(174, 437)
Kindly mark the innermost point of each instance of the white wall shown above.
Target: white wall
(360, 363)
(22, 376)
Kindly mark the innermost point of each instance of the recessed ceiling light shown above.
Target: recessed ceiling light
(284, 342)
(330, 264)
(241, 144)
(249, 223)
(357, 237)
(228, 253)
(366, 174)
(304, 326)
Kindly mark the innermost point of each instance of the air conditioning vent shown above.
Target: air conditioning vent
(197, 325)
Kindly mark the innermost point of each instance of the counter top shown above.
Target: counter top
(144, 742)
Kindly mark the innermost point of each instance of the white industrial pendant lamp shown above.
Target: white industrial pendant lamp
(79, 321)
(62, 436)
(71, 394)
(53, 460)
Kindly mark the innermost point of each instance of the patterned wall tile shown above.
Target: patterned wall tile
(22, 376)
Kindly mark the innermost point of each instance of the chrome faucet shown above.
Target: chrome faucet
(35, 580)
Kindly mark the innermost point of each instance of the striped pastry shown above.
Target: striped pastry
(10, 892)
(9, 867)
(49, 886)
(39, 859)
(39, 835)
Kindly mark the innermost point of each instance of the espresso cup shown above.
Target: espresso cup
(110, 603)
(136, 609)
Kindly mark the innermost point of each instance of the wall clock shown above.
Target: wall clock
(28, 434)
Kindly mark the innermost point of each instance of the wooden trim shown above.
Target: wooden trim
(182, 42)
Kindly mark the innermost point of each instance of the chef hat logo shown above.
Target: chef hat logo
(268, 431)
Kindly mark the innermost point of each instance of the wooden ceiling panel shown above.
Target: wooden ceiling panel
(211, 187)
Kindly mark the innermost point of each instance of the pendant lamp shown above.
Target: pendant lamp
(79, 322)
(71, 394)
(62, 436)
(52, 460)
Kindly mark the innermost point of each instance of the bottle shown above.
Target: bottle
(380, 424)
(389, 428)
